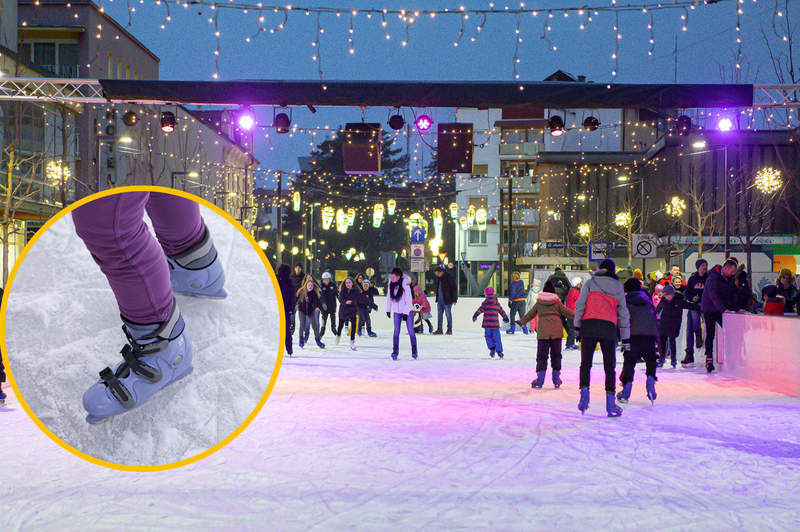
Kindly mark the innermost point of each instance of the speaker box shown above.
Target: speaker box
(454, 148)
(361, 149)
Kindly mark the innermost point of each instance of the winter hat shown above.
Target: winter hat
(489, 291)
(784, 272)
(365, 282)
(326, 275)
(731, 262)
(417, 288)
(632, 285)
(608, 265)
(576, 281)
(637, 274)
(660, 287)
(659, 275)
(549, 287)
(699, 262)
(669, 290)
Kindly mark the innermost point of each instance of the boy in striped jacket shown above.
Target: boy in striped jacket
(490, 308)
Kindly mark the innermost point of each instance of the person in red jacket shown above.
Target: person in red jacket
(490, 308)
(424, 311)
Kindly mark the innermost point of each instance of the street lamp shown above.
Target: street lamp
(701, 145)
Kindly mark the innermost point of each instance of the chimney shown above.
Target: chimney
(582, 79)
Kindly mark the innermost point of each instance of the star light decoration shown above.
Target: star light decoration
(623, 219)
(55, 173)
(584, 231)
(768, 180)
(675, 207)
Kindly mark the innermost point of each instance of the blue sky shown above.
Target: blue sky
(186, 48)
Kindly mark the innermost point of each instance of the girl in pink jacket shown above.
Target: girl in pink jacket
(424, 311)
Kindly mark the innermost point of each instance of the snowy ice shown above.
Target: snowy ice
(63, 327)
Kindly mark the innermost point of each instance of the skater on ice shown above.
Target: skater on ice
(670, 319)
(572, 298)
(289, 302)
(309, 303)
(694, 294)
(424, 312)
(644, 327)
(719, 297)
(348, 310)
(491, 308)
(516, 302)
(399, 309)
(330, 296)
(446, 297)
(366, 304)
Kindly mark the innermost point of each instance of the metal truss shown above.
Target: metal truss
(776, 96)
(73, 91)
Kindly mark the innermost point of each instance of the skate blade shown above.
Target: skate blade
(222, 294)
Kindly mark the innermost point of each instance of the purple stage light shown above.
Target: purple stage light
(725, 124)
(246, 119)
(424, 123)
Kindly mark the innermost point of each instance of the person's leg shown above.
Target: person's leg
(288, 342)
(338, 330)
(449, 313)
(629, 359)
(353, 327)
(662, 350)
(126, 252)
(430, 325)
(410, 327)
(555, 354)
(711, 333)
(440, 314)
(360, 313)
(588, 346)
(690, 331)
(487, 335)
(609, 364)
(301, 333)
(397, 320)
(314, 325)
(498, 342)
(648, 350)
(368, 320)
(673, 341)
(570, 326)
(542, 352)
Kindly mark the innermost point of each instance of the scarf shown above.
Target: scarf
(396, 290)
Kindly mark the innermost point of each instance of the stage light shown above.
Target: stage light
(725, 124)
(396, 122)
(684, 125)
(246, 118)
(699, 144)
(130, 119)
(556, 126)
(281, 122)
(423, 122)
(167, 122)
(591, 123)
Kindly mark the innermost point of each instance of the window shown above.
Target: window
(110, 65)
(44, 55)
(480, 169)
(119, 68)
(127, 72)
(68, 60)
(513, 136)
(477, 237)
(479, 201)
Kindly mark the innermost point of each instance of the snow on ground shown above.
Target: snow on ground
(63, 327)
(453, 441)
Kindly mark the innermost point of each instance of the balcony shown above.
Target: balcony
(61, 71)
(523, 149)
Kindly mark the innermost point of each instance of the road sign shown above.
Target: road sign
(597, 251)
(417, 251)
(370, 271)
(418, 234)
(417, 265)
(463, 255)
(644, 246)
(442, 256)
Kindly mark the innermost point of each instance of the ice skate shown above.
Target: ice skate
(625, 394)
(611, 406)
(338, 337)
(301, 343)
(688, 361)
(524, 329)
(2, 397)
(499, 354)
(557, 379)
(491, 352)
(709, 365)
(651, 389)
(156, 356)
(674, 361)
(583, 404)
(414, 352)
(372, 334)
(539, 382)
(197, 271)
(395, 351)
(320, 344)
(353, 345)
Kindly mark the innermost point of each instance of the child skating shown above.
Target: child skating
(491, 308)
(399, 303)
(424, 312)
(330, 294)
(670, 317)
(309, 303)
(550, 311)
(643, 340)
(348, 310)
(366, 304)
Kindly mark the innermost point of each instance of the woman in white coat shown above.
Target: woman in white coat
(399, 302)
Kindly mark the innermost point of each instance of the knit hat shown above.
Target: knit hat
(669, 290)
(784, 272)
(326, 275)
(660, 288)
(699, 262)
(637, 273)
(632, 285)
(417, 288)
(365, 282)
(489, 291)
(576, 281)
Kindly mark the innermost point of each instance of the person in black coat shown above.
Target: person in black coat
(694, 294)
(348, 309)
(330, 295)
(366, 303)
(670, 311)
(446, 297)
(643, 339)
(289, 301)
(560, 283)
(309, 303)
(297, 282)
(719, 297)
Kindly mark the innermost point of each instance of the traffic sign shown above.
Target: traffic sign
(417, 265)
(597, 251)
(644, 246)
(417, 251)
(418, 234)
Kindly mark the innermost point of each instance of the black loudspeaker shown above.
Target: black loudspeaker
(454, 148)
(361, 149)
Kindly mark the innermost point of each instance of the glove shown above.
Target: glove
(388, 315)
(474, 320)
(577, 334)
(626, 345)
(324, 307)
(505, 320)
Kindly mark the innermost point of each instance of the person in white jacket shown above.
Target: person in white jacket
(533, 295)
(399, 302)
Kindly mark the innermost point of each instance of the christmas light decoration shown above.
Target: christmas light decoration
(464, 223)
(56, 173)
(341, 221)
(454, 210)
(351, 216)
(480, 218)
(470, 216)
(247, 119)
(584, 231)
(623, 219)
(328, 215)
(416, 220)
(391, 205)
(377, 215)
(768, 180)
(296, 201)
(675, 207)
(725, 124)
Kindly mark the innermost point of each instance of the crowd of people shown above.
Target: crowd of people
(614, 307)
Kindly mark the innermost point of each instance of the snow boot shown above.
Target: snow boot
(625, 393)
(709, 364)
(353, 345)
(583, 405)
(524, 329)
(198, 271)
(414, 352)
(156, 355)
(688, 360)
(539, 382)
(395, 351)
(491, 352)
(499, 354)
(651, 389)
(557, 379)
(611, 406)
(320, 344)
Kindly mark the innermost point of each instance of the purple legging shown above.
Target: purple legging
(114, 232)
(398, 319)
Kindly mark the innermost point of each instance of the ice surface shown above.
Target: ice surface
(63, 327)
(453, 441)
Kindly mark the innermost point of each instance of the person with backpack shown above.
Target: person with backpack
(562, 287)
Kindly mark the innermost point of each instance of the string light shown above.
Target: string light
(768, 180)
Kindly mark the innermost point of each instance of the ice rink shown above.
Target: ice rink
(453, 441)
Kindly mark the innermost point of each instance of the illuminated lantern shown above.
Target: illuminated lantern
(327, 217)
(391, 205)
(438, 222)
(480, 218)
(341, 221)
(464, 223)
(351, 216)
(454, 210)
(470, 216)
(377, 215)
(296, 201)
(435, 244)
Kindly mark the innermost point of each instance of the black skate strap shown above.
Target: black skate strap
(119, 391)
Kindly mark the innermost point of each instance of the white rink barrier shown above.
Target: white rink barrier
(761, 349)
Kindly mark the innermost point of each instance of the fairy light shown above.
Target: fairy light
(768, 180)
(675, 207)
(584, 230)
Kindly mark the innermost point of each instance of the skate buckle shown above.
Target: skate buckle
(117, 389)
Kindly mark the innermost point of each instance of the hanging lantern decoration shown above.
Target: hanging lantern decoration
(296, 201)
(470, 216)
(464, 223)
(480, 217)
(416, 220)
(327, 217)
(377, 215)
(391, 205)
(341, 221)
(435, 244)
(351, 216)
(454, 210)
(438, 222)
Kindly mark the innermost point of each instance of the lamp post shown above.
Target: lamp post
(700, 144)
(173, 174)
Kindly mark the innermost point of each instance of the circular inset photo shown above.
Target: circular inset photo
(142, 328)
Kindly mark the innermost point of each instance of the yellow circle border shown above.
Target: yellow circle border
(245, 423)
